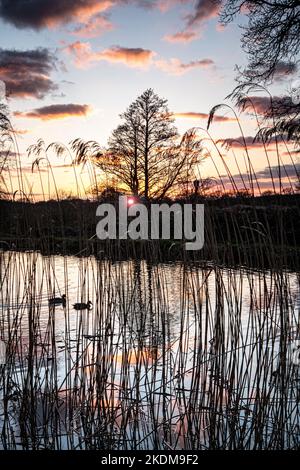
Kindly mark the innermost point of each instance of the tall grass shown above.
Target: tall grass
(190, 354)
(170, 357)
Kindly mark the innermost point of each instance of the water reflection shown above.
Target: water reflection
(169, 356)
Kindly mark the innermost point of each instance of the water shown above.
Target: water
(169, 357)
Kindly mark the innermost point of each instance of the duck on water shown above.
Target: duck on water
(83, 305)
(58, 301)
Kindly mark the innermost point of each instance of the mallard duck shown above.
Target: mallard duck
(58, 300)
(83, 305)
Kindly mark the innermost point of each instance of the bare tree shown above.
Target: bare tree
(145, 153)
(141, 142)
(124, 146)
(271, 38)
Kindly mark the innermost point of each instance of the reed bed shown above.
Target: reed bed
(171, 356)
(196, 353)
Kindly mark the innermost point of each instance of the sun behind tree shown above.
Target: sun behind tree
(145, 154)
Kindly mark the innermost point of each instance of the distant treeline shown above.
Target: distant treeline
(260, 232)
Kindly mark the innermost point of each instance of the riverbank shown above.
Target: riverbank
(261, 232)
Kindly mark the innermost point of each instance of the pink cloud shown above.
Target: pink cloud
(165, 5)
(38, 14)
(175, 66)
(132, 57)
(95, 26)
(204, 11)
(182, 37)
(204, 116)
(56, 111)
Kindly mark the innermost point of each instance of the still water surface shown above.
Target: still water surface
(169, 356)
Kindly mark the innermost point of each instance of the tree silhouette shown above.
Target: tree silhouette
(141, 141)
(271, 38)
(145, 153)
(123, 154)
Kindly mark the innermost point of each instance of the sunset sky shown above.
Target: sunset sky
(72, 67)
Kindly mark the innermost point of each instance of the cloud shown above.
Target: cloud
(56, 111)
(288, 173)
(6, 154)
(287, 170)
(95, 26)
(182, 37)
(281, 105)
(261, 104)
(249, 141)
(220, 27)
(38, 14)
(21, 131)
(27, 73)
(88, 17)
(204, 10)
(165, 5)
(81, 52)
(176, 67)
(292, 152)
(132, 57)
(284, 70)
(204, 116)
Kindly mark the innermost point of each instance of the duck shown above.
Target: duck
(58, 300)
(83, 305)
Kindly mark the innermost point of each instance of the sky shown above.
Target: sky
(72, 67)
